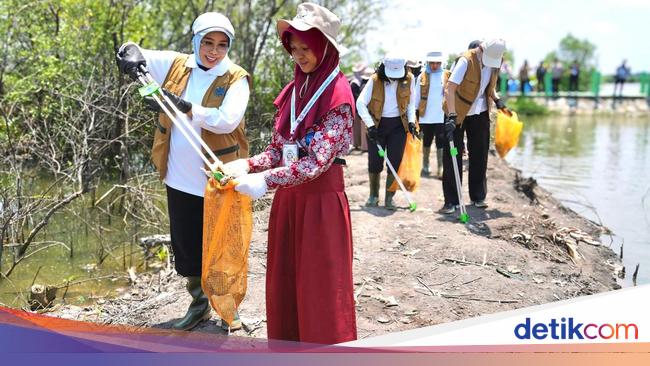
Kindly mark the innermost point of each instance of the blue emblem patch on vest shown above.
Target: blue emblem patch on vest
(220, 92)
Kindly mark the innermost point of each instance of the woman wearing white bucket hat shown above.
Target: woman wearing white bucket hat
(387, 107)
(213, 92)
(309, 288)
(429, 86)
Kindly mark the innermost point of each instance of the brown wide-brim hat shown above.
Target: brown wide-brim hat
(313, 16)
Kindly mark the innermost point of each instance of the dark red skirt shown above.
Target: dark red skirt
(309, 290)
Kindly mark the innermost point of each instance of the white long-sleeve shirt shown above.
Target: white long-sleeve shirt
(184, 164)
(433, 113)
(390, 102)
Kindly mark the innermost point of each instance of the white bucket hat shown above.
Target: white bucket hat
(435, 56)
(310, 16)
(213, 22)
(367, 73)
(493, 52)
(359, 67)
(394, 66)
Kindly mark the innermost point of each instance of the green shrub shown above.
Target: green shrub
(528, 107)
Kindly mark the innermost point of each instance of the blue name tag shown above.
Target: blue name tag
(220, 92)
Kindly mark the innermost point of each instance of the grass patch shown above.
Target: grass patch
(528, 107)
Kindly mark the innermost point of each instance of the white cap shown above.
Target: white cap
(434, 56)
(213, 22)
(413, 63)
(394, 66)
(493, 52)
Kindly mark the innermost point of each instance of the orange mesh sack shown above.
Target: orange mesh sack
(506, 134)
(227, 229)
(411, 165)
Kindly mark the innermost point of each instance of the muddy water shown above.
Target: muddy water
(599, 167)
(86, 249)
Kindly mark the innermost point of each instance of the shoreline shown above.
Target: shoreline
(566, 105)
(421, 268)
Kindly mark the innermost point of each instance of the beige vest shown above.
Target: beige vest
(227, 147)
(376, 105)
(424, 93)
(467, 91)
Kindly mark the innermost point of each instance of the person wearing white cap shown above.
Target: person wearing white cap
(415, 67)
(470, 87)
(387, 107)
(429, 87)
(213, 92)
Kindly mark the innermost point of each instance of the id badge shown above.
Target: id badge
(289, 154)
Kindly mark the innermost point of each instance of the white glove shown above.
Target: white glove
(253, 185)
(236, 168)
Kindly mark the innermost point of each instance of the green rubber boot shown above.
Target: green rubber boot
(388, 201)
(425, 162)
(199, 309)
(373, 199)
(439, 155)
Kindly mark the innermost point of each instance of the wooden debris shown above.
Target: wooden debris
(383, 319)
(389, 301)
(470, 281)
(41, 297)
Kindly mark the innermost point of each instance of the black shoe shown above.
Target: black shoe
(480, 204)
(448, 208)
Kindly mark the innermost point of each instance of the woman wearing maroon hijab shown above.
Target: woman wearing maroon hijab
(309, 291)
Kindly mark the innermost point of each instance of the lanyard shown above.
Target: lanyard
(295, 122)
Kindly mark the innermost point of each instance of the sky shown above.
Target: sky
(620, 29)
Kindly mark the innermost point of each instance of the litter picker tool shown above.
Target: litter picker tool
(150, 88)
(464, 217)
(412, 204)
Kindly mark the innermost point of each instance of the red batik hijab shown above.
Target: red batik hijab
(337, 93)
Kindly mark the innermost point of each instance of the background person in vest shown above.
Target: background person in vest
(213, 92)
(309, 288)
(467, 104)
(361, 74)
(387, 107)
(429, 89)
(415, 68)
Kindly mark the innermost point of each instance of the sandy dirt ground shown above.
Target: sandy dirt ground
(415, 269)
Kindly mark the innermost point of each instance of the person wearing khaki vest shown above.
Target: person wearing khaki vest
(469, 89)
(431, 118)
(213, 93)
(361, 75)
(387, 107)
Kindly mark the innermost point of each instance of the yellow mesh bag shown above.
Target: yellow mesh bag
(411, 165)
(506, 134)
(227, 229)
